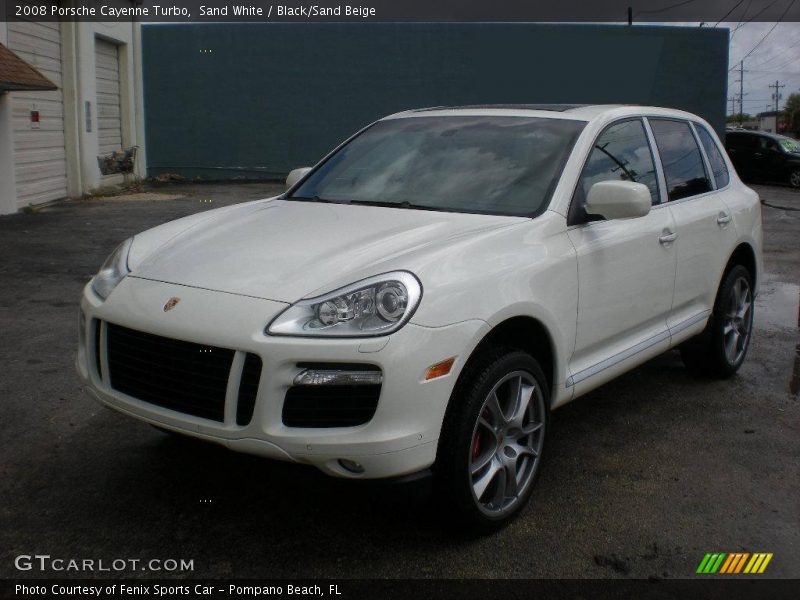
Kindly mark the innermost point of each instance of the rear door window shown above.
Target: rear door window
(681, 159)
(718, 167)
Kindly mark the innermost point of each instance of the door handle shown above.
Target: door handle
(667, 237)
(723, 219)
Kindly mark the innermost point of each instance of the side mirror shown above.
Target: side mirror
(296, 175)
(618, 199)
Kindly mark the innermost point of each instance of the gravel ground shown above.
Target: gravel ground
(645, 475)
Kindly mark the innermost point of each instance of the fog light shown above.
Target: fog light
(351, 465)
(338, 377)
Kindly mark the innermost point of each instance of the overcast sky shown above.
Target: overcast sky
(777, 57)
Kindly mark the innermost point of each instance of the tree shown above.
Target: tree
(792, 112)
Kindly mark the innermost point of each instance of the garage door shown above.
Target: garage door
(109, 123)
(40, 164)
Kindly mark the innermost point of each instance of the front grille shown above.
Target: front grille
(182, 376)
(330, 405)
(248, 388)
(96, 327)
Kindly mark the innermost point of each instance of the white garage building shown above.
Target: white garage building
(50, 139)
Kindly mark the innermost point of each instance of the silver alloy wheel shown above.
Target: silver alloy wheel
(738, 321)
(794, 178)
(506, 443)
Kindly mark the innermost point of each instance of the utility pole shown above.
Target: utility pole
(741, 91)
(777, 95)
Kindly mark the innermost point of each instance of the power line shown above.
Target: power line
(781, 54)
(755, 16)
(766, 35)
(742, 18)
(778, 68)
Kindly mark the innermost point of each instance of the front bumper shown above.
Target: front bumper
(400, 438)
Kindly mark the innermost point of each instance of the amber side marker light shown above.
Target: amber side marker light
(440, 369)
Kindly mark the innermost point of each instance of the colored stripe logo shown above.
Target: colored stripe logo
(734, 563)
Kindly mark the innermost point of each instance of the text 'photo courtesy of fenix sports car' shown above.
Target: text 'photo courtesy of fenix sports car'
(422, 298)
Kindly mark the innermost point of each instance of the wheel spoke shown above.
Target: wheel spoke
(741, 341)
(500, 488)
(738, 290)
(514, 394)
(731, 343)
(528, 451)
(511, 479)
(531, 428)
(496, 410)
(728, 327)
(480, 484)
(523, 403)
(484, 459)
(743, 308)
(482, 422)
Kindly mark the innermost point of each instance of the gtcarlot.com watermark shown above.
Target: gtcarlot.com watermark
(45, 563)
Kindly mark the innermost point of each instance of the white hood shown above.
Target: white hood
(286, 250)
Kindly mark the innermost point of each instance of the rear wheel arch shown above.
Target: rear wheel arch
(743, 255)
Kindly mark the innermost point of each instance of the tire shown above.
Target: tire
(722, 347)
(490, 452)
(794, 178)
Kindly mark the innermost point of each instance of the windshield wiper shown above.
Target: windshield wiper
(317, 199)
(403, 204)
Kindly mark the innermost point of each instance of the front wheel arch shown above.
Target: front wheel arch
(524, 333)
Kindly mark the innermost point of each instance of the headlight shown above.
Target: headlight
(113, 270)
(374, 306)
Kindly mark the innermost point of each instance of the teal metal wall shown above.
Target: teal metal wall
(254, 101)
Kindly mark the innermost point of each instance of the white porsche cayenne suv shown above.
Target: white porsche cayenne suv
(425, 295)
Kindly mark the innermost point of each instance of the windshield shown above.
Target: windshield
(789, 145)
(481, 164)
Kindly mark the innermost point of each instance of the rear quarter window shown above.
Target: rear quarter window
(718, 167)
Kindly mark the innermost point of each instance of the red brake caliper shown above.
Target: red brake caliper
(476, 442)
